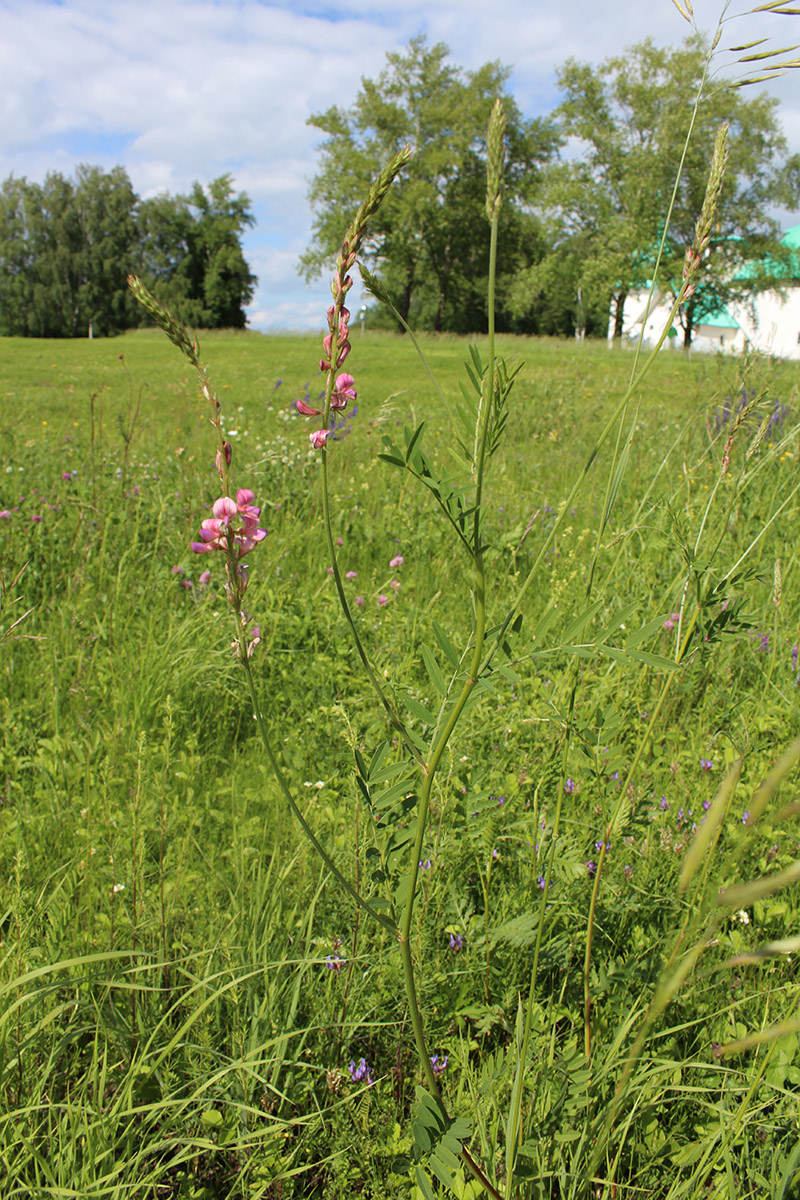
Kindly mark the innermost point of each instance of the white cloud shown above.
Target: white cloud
(178, 90)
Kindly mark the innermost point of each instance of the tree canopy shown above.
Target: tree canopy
(578, 231)
(429, 241)
(607, 206)
(67, 246)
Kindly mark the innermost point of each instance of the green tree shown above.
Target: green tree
(631, 116)
(67, 246)
(191, 253)
(429, 240)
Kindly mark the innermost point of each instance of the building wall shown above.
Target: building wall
(772, 328)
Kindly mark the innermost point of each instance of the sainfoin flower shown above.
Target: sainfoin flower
(233, 522)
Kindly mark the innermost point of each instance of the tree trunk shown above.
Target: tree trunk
(619, 314)
(688, 325)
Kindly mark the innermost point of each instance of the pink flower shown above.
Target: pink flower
(306, 410)
(233, 520)
(5, 514)
(343, 391)
(382, 601)
(359, 601)
(350, 575)
(205, 578)
(397, 561)
(395, 585)
(318, 438)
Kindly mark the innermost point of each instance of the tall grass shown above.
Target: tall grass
(592, 878)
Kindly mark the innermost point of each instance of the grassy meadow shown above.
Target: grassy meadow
(186, 994)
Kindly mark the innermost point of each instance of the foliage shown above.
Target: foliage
(632, 115)
(66, 247)
(428, 239)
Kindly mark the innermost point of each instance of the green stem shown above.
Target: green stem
(287, 793)
(440, 742)
(391, 711)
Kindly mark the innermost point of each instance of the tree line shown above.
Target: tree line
(68, 244)
(587, 190)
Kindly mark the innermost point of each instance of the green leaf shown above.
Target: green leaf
(445, 644)
(417, 710)
(434, 672)
(424, 1184)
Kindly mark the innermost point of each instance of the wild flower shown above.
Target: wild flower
(361, 1073)
(672, 621)
(359, 601)
(456, 942)
(234, 524)
(746, 816)
(334, 963)
(350, 575)
(541, 882)
(627, 870)
(706, 764)
(425, 866)
(439, 1065)
(395, 585)
(382, 600)
(569, 786)
(591, 867)
(397, 561)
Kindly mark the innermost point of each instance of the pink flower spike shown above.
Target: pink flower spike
(318, 438)
(306, 410)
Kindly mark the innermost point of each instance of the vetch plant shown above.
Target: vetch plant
(397, 779)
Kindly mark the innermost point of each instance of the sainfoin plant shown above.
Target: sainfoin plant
(539, 1119)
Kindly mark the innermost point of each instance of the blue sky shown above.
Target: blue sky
(178, 90)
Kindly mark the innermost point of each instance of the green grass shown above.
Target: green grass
(168, 1025)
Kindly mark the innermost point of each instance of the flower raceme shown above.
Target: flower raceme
(234, 523)
(343, 390)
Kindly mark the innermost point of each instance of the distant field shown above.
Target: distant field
(174, 1020)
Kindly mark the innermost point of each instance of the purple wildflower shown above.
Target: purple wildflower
(438, 1065)
(361, 1073)
(456, 942)
(569, 786)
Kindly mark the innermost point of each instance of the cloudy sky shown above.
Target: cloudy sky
(178, 90)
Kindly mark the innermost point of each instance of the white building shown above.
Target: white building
(770, 324)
